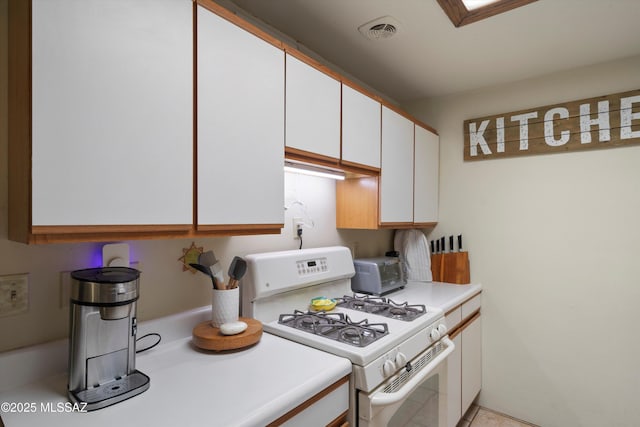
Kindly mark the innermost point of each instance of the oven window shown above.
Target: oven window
(421, 407)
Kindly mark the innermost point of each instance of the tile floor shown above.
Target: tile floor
(483, 417)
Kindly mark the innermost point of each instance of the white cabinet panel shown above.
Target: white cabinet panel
(396, 179)
(313, 109)
(469, 307)
(112, 112)
(426, 175)
(454, 384)
(240, 125)
(360, 128)
(471, 362)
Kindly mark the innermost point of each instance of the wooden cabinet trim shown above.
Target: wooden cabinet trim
(307, 156)
(358, 168)
(19, 120)
(240, 22)
(312, 62)
(464, 323)
(295, 411)
(340, 421)
(247, 227)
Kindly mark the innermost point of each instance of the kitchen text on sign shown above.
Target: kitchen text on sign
(602, 122)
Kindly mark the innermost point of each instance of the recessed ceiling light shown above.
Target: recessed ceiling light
(463, 12)
(476, 4)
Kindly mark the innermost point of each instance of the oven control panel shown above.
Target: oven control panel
(312, 266)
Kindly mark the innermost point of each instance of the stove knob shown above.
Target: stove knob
(435, 334)
(442, 328)
(388, 368)
(401, 359)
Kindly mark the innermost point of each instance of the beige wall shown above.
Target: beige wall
(165, 288)
(555, 241)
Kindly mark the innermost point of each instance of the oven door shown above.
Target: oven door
(416, 393)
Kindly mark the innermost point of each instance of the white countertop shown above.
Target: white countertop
(190, 387)
(444, 296)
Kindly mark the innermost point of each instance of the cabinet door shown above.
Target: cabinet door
(426, 176)
(313, 110)
(112, 112)
(396, 175)
(471, 362)
(240, 126)
(360, 128)
(454, 385)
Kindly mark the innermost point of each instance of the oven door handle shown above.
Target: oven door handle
(384, 399)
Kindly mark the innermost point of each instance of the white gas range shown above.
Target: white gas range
(391, 357)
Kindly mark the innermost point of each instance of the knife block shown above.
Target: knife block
(451, 267)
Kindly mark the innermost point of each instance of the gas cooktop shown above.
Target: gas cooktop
(383, 307)
(336, 326)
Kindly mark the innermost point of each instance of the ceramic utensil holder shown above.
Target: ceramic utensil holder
(224, 306)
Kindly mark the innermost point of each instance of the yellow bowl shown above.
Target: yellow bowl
(322, 304)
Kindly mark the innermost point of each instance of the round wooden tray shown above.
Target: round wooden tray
(208, 337)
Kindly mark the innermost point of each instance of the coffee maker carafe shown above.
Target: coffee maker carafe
(102, 338)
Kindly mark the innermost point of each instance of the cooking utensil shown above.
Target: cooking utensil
(459, 242)
(450, 243)
(206, 270)
(237, 269)
(208, 259)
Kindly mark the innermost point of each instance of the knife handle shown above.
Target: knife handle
(451, 249)
(442, 245)
(438, 246)
(459, 242)
(432, 246)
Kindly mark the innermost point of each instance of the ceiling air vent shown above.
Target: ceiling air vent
(380, 28)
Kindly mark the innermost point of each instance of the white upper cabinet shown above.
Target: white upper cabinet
(426, 161)
(240, 125)
(312, 110)
(360, 128)
(396, 175)
(112, 112)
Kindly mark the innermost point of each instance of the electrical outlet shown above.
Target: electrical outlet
(115, 255)
(14, 294)
(298, 223)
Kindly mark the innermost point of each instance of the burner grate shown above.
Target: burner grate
(335, 326)
(383, 306)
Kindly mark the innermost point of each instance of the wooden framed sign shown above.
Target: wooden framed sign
(602, 122)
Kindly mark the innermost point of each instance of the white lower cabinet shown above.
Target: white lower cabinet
(471, 362)
(327, 408)
(464, 365)
(240, 131)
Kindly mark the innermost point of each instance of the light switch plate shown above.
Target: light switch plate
(14, 294)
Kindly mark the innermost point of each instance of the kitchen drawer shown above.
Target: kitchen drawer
(471, 306)
(453, 318)
(321, 410)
